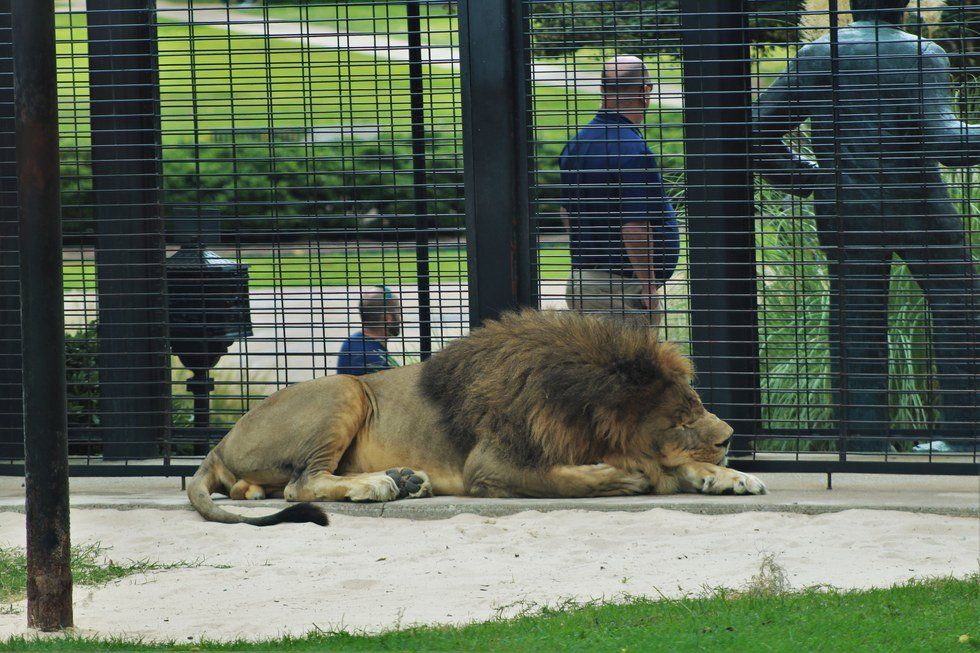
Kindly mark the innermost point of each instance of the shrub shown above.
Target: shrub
(308, 190)
(81, 349)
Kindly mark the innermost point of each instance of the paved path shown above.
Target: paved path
(794, 493)
(297, 331)
(379, 45)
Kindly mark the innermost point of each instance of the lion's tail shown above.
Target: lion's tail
(205, 481)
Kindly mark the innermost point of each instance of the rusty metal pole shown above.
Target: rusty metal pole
(42, 317)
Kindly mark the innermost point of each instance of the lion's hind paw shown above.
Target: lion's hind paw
(411, 484)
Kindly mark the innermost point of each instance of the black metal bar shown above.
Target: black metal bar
(110, 470)
(201, 386)
(842, 400)
(833, 433)
(721, 232)
(852, 466)
(11, 379)
(198, 435)
(423, 221)
(49, 579)
(494, 156)
(125, 117)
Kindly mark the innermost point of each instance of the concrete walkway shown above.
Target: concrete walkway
(792, 493)
(297, 331)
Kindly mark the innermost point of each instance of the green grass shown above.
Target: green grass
(212, 79)
(388, 18)
(89, 566)
(919, 616)
(364, 268)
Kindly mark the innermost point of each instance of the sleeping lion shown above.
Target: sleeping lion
(537, 404)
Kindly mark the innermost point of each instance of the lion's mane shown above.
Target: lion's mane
(556, 387)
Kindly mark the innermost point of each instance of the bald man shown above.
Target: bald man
(622, 228)
(366, 351)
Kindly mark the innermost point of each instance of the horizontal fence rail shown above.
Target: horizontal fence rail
(787, 194)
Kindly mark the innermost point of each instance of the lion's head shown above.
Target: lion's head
(686, 431)
(559, 387)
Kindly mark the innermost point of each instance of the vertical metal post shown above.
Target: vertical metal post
(125, 116)
(11, 379)
(42, 317)
(423, 221)
(495, 90)
(834, 256)
(721, 232)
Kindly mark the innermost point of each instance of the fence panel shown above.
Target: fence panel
(238, 181)
(306, 156)
(767, 284)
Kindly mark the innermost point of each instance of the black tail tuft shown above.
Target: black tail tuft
(300, 513)
(304, 512)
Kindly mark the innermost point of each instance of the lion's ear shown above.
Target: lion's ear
(673, 364)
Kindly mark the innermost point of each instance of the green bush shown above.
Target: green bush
(640, 26)
(262, 189)
(265, 188)
(794, 339)
(81, 349)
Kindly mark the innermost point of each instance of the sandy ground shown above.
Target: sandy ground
(374, 574)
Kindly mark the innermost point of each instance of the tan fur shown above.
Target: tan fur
(537, 404)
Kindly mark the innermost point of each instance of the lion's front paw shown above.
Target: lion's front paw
(375, 487)
(728, 480)
(411, 484)
(749, 484)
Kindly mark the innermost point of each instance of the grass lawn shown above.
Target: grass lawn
(366, 17)
(358, 268)
(212, 79)
(932, 616)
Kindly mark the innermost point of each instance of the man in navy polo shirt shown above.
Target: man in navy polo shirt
(366, 351)
(623, 233)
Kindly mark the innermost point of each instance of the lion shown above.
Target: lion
(535, 404)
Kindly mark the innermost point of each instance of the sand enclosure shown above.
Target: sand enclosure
(373, 574)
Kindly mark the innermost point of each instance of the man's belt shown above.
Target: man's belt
(597, 268)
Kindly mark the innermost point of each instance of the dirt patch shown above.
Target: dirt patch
(374, 574)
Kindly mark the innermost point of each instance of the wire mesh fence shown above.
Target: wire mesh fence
(310, 150)
(830, 299)
(255, 194)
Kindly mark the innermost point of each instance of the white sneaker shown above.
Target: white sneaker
(940, 446)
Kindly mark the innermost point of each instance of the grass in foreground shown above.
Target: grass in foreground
(89, 566)
(919, 616)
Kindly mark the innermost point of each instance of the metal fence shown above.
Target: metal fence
(270, 166)
(831, 311)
